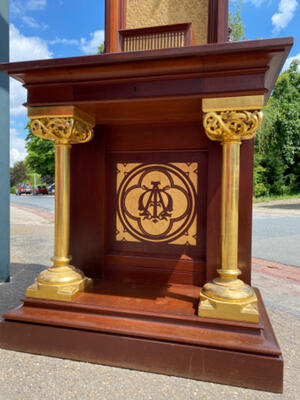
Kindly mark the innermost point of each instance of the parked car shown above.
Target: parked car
(51, 188)
(39, 190)
(23, 188)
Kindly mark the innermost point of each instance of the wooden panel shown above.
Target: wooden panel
(144, 13)
(245, 209)
(87, 236)
(156, 146)
(213, 233)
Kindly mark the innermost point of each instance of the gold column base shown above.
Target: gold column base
(62, 283)
(228, 300)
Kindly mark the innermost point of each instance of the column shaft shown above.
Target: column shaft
(229, 211)
(62, 204)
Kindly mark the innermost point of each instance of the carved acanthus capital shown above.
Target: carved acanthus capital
(74, 126)
(232, 126)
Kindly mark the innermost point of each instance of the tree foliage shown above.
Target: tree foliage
(100, 49)
(235, 21)
(278, 141)
(18, 173)
(41, 154)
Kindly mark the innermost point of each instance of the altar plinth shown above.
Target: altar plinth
(156, 209)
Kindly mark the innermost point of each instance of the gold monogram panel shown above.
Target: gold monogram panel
(156, 203)
(145, 13)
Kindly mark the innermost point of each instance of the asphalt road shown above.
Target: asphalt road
(276, 228)
(276, 237)
(43, 202)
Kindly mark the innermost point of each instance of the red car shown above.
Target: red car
(23, 188)
(39, 190)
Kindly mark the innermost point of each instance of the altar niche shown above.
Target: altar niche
(154, 204)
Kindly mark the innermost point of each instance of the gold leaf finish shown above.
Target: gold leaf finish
(228, 297)
(145, 13)
(65, 125)
(63, 130)
(232, 126)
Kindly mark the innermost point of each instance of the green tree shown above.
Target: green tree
(235, 21)
(101, 49)
(278, 141)
(41, 154)
(18, 173)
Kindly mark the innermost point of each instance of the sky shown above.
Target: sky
(43, 29)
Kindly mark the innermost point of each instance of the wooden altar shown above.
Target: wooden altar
(150, 204)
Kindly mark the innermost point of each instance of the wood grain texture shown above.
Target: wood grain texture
(185, 345)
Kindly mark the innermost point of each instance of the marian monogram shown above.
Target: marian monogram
(156, 203)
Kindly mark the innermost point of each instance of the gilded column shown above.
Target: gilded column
(66, 125)
(229, 121)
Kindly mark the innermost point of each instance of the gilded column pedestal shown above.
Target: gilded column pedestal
(229, 121)
(66, 126)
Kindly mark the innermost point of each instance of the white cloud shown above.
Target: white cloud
(20, 9)
(289, 61)
(17, 96)
(35, 5)
(17, 147)
(91, 46)
(71, 42)
(24, 48)
(286, 12)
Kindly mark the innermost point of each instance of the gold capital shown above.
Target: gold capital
(226, 296)
(232, 126)
(65, 125)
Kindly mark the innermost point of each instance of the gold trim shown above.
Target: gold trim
(65, 126)
(232, 126)
(60, 112)
(228, 297)
(233, 103)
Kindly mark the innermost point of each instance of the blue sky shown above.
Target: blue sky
(41, 29)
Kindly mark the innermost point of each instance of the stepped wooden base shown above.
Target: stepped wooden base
(148, 328)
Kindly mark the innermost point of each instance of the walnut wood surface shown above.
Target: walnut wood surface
(208, 70)
(152, 311)
(122, 326)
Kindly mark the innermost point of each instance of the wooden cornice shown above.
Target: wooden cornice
(232, 68)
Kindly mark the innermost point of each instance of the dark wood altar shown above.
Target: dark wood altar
(148, 109)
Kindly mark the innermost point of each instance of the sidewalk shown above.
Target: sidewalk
(287, 206)
(30, 377)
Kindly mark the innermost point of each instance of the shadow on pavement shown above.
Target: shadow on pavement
(22, 275)
(295, 206)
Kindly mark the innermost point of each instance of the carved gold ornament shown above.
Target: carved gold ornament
(232, 126)
(62, 130)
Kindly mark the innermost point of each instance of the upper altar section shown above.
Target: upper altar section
(146, 13)
(206, 19)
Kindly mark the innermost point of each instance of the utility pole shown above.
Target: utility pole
(4, 144)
